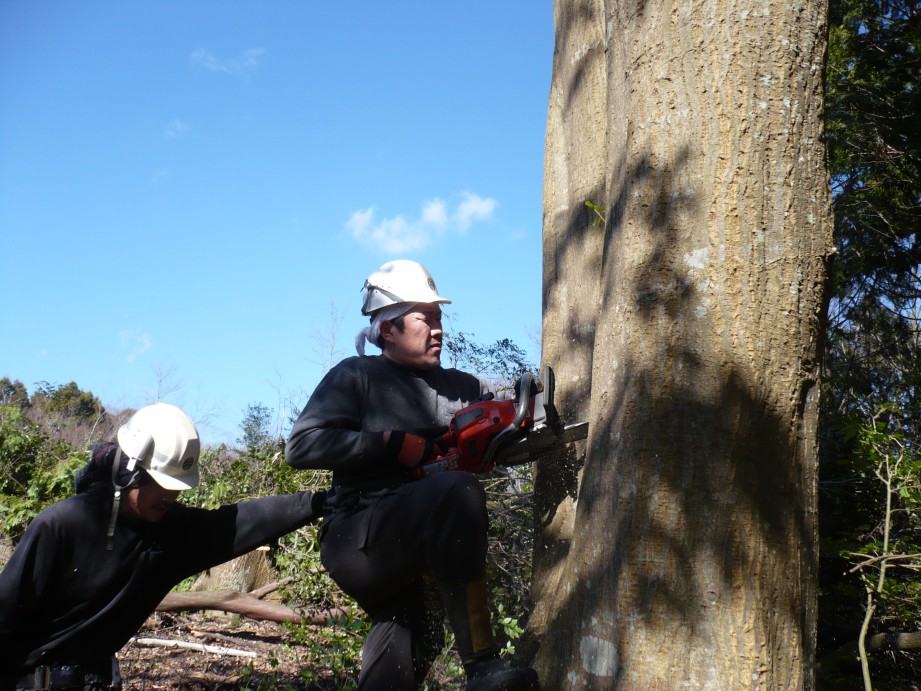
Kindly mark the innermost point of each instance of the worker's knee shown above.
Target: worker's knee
(456, 534)
(462, 498)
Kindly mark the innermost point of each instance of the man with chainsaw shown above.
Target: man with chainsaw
(90, 569)
(409, 550)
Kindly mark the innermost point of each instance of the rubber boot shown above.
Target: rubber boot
(468, 614)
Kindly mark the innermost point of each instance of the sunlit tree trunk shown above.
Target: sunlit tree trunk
(687, 329)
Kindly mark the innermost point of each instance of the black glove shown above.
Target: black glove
(318, 505)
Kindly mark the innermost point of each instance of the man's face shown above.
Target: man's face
(418, 343)
(149, 501)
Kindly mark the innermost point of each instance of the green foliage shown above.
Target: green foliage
(889, 557)
(35, 471)
(331, 650)
(889, 553)
(255, 468)
(511, 630)
(511, 540)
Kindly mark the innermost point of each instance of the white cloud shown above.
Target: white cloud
(434, 214)
(473, 208)
(176, 128)
(243, 66)
(135, 342)
(398, 235)
(392, 235)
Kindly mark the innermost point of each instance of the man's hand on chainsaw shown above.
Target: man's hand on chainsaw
(412, 450)
(453, 458)
(421, 456)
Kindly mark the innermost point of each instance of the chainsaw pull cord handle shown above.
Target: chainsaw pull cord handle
(524, 399)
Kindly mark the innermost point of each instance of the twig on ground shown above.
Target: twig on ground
(201, 647)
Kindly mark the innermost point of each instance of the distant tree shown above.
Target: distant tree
(873, 111)
(13, 393)
(325, 347)
(255, 429)
(68, 400)
(501, 363)
(873, 354)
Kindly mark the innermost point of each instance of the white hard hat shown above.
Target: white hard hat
(398, 281)
(162, 439)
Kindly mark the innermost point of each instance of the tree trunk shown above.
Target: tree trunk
(688, 558)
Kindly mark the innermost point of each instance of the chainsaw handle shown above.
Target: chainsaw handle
(524, 400)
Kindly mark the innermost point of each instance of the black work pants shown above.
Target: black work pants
(382, 556)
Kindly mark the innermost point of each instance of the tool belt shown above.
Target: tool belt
(93, 677)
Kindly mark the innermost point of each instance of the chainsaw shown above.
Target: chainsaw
(505, 432)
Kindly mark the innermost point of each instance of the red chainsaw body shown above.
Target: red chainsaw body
(510, 430)
(471, 431)
(474, 427)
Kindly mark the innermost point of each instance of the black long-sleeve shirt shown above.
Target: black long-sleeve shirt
(66, 599)
(341, 427)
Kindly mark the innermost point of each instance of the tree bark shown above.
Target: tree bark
(688, 558)
(574, 173)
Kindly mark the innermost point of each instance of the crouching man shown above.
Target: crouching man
(89, 570)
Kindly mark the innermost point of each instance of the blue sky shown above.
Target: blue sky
(190, 191)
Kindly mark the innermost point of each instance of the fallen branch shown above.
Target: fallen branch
(329, 616)
(214, 679)
(214, 636)
(248, 605)
(848, 654)
(894, 641)
(200, 647)
(229, 601)
(271, 587)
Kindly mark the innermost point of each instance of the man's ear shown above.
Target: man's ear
(387, 331)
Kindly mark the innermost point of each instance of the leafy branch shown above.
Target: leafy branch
(599, 214)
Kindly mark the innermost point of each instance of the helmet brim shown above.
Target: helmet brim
(189, 480)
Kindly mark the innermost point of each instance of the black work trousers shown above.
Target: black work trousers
(385, 556)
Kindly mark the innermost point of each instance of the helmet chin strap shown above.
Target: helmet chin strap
(116, 501)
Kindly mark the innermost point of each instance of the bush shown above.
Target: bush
(35, 471)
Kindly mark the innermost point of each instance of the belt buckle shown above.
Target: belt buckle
(41, 678)
(67, 677)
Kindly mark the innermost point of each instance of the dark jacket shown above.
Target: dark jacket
(65, 598)
(342, 426)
